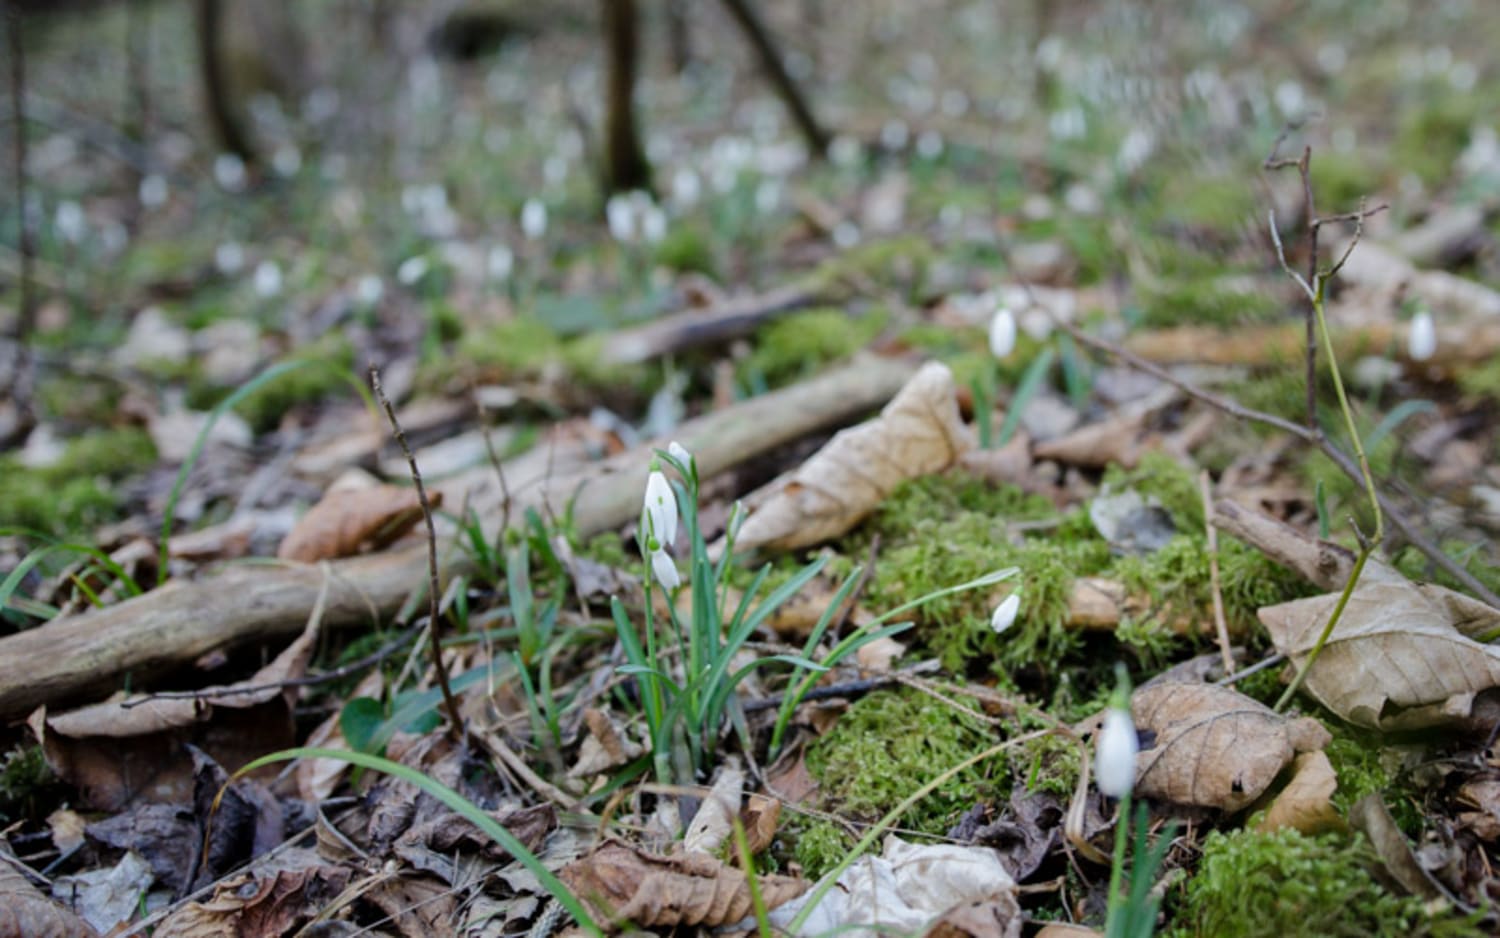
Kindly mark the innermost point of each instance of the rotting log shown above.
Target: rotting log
(76, 658)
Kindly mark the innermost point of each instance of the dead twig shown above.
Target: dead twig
(434, 587)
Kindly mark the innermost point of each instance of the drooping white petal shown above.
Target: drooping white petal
(1005, 613)
(1421, 342)
(665, 570)
(680, 453)
(1003, 333)
(660, 509)
(1114, 768)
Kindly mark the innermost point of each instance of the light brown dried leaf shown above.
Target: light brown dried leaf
(1214, 746)
(711, 825)
(1306, 803)
(623, 884)
(24, 910)
(347, 521)
(919, 432)
(1400, 656)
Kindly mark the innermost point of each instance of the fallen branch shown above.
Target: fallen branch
(87, 655)
(695, 328)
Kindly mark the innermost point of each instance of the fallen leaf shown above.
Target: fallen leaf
(919, 432)
(877, 656)
(982, 918)
(1213, 746)
(24, 910)
(346, 522)
(760, 818)
(1401, 655)
(604, 748)
(621, 883)
(711, 825)
(107, 897)
(1370, 816)
(1306, 803)
(907, 888)
(418, 906)
(166, 836)
(262, 903)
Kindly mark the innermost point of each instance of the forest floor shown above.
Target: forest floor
(1009, 390)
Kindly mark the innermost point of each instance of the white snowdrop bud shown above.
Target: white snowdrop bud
(286, 160)
(1114, 768)
(533, 219)
(500, 263)
(660, 509)
(229, 172)
(619, 211)
(680, 453)
(152, 191)
(653, 224)
(1003, 333)
(369, 289)
(267, 279)
(1421, 342)
(665, 570)
(1005, 613)
(229, 258)
(412, 269)
(70, 222)
(686, 187)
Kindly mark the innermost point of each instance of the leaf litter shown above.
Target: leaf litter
(532, 364)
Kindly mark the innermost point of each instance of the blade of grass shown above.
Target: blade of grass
(451, 799)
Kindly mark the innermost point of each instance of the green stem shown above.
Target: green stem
(1369, 481)
(1117, 870)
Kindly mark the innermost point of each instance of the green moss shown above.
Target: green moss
(1205, 302)
(515, 348)
(1340, 180)
(1211, 202)
(28, 789)
(894, 263)
(1482, 378)
(798, 345)
(333, 363)
(1286, 883)
(890, 744)
(1433, 132)
(1169, 481)
(1051, 764)
(78, 493)
(686, 248)
(1479, 559)
(819, 846)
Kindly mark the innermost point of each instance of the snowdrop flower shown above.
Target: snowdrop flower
(686, 187)
(1421, 342)
(286, 160)
(619, 211)
(229, 258)
(412, 269)
(659, 514)
(1114, 769)
(369, 289)
(229, 172)
(555, 170)
(267, 279)
(665, 570)
(1003, 333)
(768, 196)
(846, 234)
(1005, 613)
(930, 145)
(70, 222)
(500, 263)
(152, 191)
(653, 224)
(533, 219)
(894, 135)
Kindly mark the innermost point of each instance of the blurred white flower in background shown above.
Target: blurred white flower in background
(500, 262)
(229, 258)
(686, 188)
(653, 224)
(152, 191)
(533, 219)
(70, 221)
(619, 212)
(267, 279)
(1003, 333)
(412, 270)
(369, 289)
(1421, 341)
(287, 160)
(229, 172)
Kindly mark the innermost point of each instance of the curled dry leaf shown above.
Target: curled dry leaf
(24, 910)
(346, 522)
(621, 883)
(1214, 747)
(1306, 803)
(1401, 655)
(919, 432)
(711, 825)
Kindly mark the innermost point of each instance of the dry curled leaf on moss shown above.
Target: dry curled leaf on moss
(919, 432)
(1306, 803)
(622, 884)
(1213, 746)
(1402, 655)
(350, 521)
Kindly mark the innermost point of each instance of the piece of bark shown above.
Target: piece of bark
(1460, 341)
(695, 328)
(78, 657)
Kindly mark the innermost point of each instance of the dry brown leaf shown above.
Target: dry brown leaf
(711, 825)
(623, 884)
(1064, 930)
(24, 910)
(1400, 656)
(604, 748)
(999, 917)
(346, 522)
(261, 903)
(760, 817)
(1214, 746)
(919, 432)
(1306, 803)
(877, 656)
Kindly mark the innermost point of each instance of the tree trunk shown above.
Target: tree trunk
(770, 59)
(625, 165)
(229, 127)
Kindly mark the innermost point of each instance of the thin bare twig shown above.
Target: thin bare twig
(1220, 626)
(455, 722)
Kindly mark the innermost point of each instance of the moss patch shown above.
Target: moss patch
(798, 345)
(1250, 885)
(78, 492)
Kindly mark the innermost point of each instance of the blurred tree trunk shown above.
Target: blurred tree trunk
(625, 165)
(229, 126)
(770, 59)
(14, 426)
